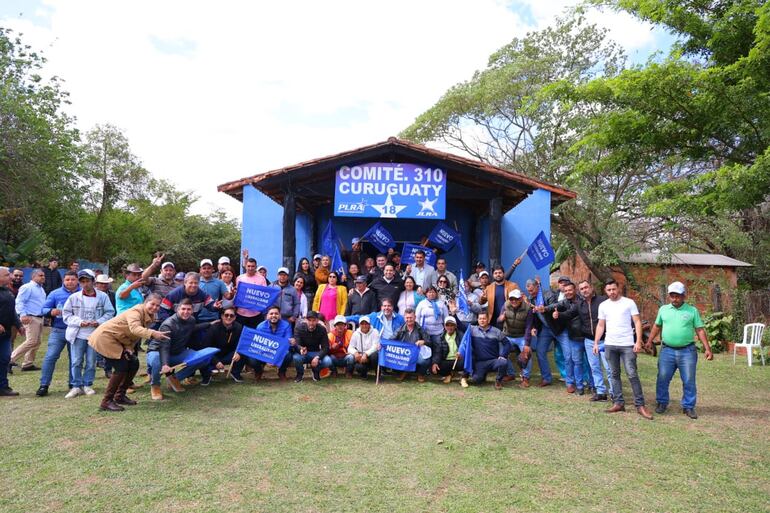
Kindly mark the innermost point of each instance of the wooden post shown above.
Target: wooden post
(495, 231)
(289, 230)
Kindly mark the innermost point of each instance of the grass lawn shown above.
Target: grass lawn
(347, 445)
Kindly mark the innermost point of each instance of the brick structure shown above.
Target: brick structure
(710, 279)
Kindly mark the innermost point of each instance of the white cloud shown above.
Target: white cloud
(211, 92)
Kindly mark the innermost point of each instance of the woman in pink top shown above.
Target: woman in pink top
(330, 298)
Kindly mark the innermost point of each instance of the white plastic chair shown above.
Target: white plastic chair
(752, 337)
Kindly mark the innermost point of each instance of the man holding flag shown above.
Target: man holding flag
(484, 349)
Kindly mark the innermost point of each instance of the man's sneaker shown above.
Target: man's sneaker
(76, 391)
(206, 381)
(690, 412)
(236, 377)
(464, 382)
(8, 392)
(661, 408)
(299, 378)
(89, 391)
(42, 391)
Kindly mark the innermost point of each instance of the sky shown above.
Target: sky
(210, 92)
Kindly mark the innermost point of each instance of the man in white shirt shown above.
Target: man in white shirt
(615, 318)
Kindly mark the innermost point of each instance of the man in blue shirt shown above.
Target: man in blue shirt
(8, 321)
(489, 348)
(277, 327)
(53, 306)
(128, 294)
(214, 287)
(29, 307)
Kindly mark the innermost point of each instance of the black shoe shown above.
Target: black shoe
(8, 392)
(690, 412)
(599, 397)
(581, 391)
(13, 364)
(299, 379)
(316, 375)
(661, 408)
(42, 391)
(10, 369)
(236, 377)
(107, 374)
(32, 367)
(206, 381)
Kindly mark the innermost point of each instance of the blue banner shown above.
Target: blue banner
(466, 349)
(255, 297)
(540, 251)
(444, 237)
(380, 238)
(407, 254)
(462, 298)
(390, 190)
(400, 356)
(328, 240)
(201, 356)
(264, 347)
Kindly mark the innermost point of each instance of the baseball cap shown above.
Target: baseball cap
(516, 293)
(261, 267)
(167, 264)
(355, 240)
(86, 273)
(364, 318)
(317, 257)
(339, 319)
(450, 320)
(483, 273)
(283, 270)
(179, 276)
(224, 260)
(563, 278)
(479, 264)
(206, 261)
(677, 288)
(360, 279)
(103, 278)
(312, 314)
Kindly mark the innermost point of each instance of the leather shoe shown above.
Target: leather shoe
(544, 384)
(42, 391)
(661, 408)
(125, 401)
(581, 391)
(524, 383)
(571, 389)
(644, 412)
(111, 406)
(690, 412)
(509, 378)
(420, 378)
(32, 367)
(8, 392)
(598, 397)
(498, 384)
(401, 377)
(616, 408)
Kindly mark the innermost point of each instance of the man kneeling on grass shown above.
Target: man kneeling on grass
(272, 325)
(490, 352)
(364, 345)
(313, 344)
(412, 332)
(445, 357)
(339, 341)
(164, 354)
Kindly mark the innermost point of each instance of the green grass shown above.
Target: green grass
(347, 445)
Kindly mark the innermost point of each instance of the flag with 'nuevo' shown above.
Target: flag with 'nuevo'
(540, 251)
(265, 347)
(466, 349)
(380, 238)
(445, 237)
(255, 297)
(400, 356)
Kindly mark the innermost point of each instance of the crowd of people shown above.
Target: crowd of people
(334, 323)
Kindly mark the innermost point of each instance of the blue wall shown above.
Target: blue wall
(520, 226)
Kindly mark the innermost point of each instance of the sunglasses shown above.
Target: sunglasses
(228, 315)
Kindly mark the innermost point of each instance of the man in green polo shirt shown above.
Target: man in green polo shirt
(678, 323)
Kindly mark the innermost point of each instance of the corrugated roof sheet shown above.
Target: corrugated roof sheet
(685, 259)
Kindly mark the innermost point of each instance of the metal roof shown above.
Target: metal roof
(704, 259)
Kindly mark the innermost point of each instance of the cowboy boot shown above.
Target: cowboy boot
(120, 394)
(108, 402)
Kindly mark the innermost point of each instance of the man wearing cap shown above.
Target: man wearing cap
(388, 286)
(517, 320)
(83, 312)
(289, 300)
(57, 341)
(250, 318)
(214, 287)
(678, 323)
(316, 262)
(361, 299)
(490, 349)
(163, 283)
(312, 347)
(364, 345)
(445, 358)
(8, 321)
(473, 279)
(386, 322)
(29, 307)
(616, 316)
(53, 279)
(223, 264)
(339, 341)
(128, 294)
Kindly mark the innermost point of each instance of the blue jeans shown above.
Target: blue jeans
(559, 358)
(525, 372)
(423, 366)
(625, 355)
(301, 360)
(595, 363)
(669, 360)
(542, 344)
(578, 355)
(154, 365)
(569, 374)
(5, 357)
(484, 367)
(82, 354)
(56, 342)
(347, 361)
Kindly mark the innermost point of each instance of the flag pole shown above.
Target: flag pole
(377, 381)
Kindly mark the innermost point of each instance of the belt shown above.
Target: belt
(677, 348)
(38, 316)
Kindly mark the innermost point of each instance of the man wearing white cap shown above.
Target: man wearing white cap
(339, 341)
(445, 357)
(364, 345)
(289, 300)
(223, 264)
(678, 323)
(164, 282)
(214, 287)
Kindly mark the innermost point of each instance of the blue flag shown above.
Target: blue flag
(255, 297)
(380, 238)
(540, 251)
(462, 298)
(400, 356)
(265, 347)
(328, 240)
(407, 254)
(466, 349)
(337, 264)
(444, 237)
(202, 356)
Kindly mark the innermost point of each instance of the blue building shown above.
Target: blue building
(497, 212)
